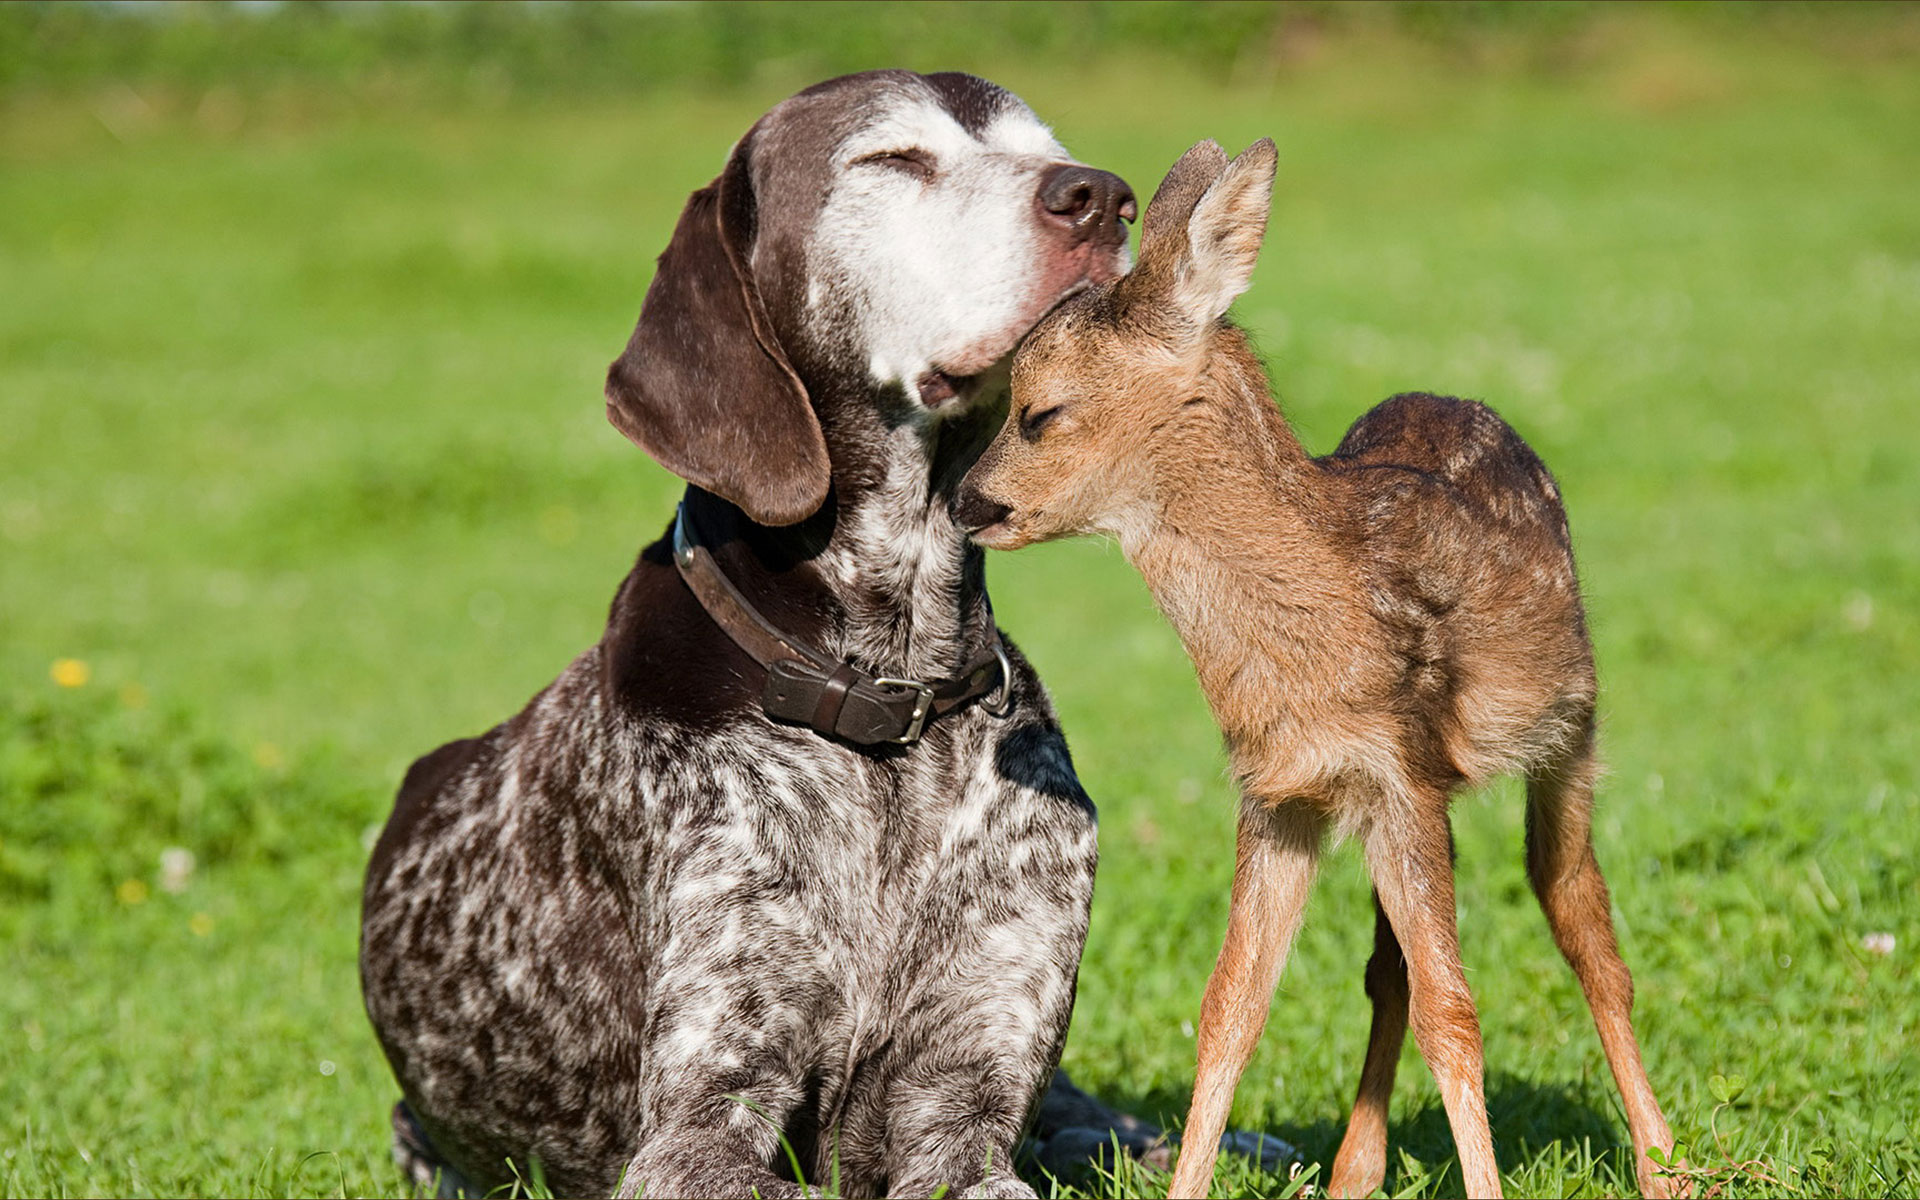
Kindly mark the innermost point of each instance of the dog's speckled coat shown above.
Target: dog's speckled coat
(639, 929)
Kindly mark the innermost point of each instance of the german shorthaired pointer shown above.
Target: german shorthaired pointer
(796, 850)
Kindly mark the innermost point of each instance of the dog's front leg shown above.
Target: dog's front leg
(961, 1112)
(716, 1089)
(973, 1045)
(999, 948)
(714, 1144)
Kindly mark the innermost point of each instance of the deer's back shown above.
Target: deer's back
(1464, 541)
(1464, 444)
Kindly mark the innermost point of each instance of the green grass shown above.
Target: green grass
(301, 453)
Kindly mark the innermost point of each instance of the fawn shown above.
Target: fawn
(1373, 630)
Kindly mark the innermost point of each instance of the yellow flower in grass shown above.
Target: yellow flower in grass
(70, 672)
(132, 891)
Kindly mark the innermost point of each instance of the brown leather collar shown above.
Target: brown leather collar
(834, 699)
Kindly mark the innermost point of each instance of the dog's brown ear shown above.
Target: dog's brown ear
(703, 384)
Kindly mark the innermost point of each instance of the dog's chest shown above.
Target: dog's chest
(821, 889)
(792, 831)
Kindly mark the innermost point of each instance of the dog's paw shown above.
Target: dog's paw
(414, 1154)
(1000, 1187)
(1272, 1154)
(1073, 1153)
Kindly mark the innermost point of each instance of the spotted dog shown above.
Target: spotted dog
(654, 923)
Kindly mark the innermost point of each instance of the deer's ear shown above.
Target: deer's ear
(1224, 234)
(1163, 230)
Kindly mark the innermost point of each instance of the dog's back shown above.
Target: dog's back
(485, 926)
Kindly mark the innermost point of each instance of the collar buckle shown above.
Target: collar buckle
(806, 687)
(921, 707)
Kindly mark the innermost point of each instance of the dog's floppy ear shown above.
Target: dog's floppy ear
(703, 384)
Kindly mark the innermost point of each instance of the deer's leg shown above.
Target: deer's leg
(1361, 1165)
(1409, 852)
(1278, 848)
(1566, 878)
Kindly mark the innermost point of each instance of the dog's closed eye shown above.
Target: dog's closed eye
(917, 163)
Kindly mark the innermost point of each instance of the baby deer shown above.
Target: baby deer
(1374, 630)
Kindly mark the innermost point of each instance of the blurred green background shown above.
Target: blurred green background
(303, 315)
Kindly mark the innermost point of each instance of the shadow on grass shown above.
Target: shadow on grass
(1531, 1119)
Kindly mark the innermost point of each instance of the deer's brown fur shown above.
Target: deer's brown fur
(1374, 629)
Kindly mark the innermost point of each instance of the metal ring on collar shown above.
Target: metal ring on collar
(999, 703)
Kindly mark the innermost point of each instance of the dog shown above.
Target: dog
(700, 897)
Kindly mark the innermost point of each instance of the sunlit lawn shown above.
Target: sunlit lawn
(302, 455)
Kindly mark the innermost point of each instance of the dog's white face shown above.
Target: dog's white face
(944, 238)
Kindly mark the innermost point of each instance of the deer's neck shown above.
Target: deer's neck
(1243, 554)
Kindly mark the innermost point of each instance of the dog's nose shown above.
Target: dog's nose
(972, 511)
(1089, 204)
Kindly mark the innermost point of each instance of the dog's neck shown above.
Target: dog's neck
(881, 576)
(911, 586)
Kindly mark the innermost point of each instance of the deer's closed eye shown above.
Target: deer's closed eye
(1032, 421)
(917, 163)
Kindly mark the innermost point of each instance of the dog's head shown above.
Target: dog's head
(894, 230)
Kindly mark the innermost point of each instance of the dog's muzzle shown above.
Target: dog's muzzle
(1088, 204)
